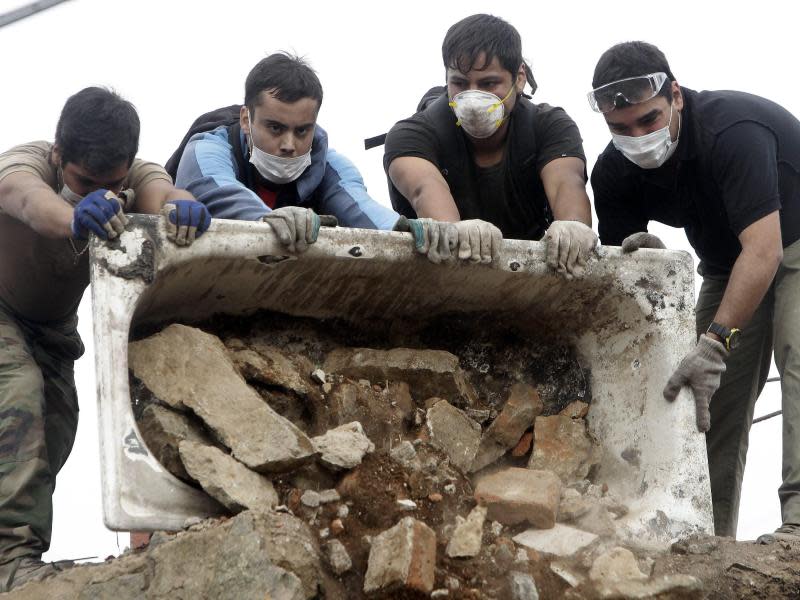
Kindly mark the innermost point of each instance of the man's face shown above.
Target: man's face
(284, 129)
(83, 182)
(494, 79)
(640, 119)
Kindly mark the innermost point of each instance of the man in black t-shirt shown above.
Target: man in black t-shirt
(725, 166)
(482, 152)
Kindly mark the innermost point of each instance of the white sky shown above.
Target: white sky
(176, 60)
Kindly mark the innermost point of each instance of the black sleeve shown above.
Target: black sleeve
(557, 136)
(619, 212)
(745, 168)
(410, 137)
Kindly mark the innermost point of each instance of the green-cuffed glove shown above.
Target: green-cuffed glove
(700, 370)
(641, 239)
(569, 244)
(437, 240)
(296, 227)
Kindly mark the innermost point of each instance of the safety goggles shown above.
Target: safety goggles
(624, 92)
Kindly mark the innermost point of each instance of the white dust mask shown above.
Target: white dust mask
(66, 193)
(479, 113)
(648, 151)
(277, 169)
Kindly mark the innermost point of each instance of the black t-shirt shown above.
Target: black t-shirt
(509, 194)
(738, 160)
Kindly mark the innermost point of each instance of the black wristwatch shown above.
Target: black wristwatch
(730, 337)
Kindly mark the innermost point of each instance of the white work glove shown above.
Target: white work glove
(641, 239)
(700, 370)
(296, 227)
(478, 241)
(569, 244)
(437, 240)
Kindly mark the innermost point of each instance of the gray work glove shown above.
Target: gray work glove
(478, 241)
(296, 227)
(569, 244)
(641, 240)
(437, 240)
(700, 370)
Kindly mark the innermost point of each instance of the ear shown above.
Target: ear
(244, 119)
(677, 96)
(521, 79)
(55, 155)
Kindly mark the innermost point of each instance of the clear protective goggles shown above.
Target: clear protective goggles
(624, 92)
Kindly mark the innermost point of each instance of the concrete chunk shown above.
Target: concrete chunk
(403, 556)
(337, 556)
(515, 495)
(561, 540)
(227, 480)
(187, 367)
(163, 430)
(427, 372)
(343, 447)
(520, 410)
(453, 432)
(561, 445)
(467, 536)
(271, 366)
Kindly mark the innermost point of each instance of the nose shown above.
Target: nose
(288, 144)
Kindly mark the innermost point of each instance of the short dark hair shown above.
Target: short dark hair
(98, 130)
(487, 34)
(631, 59)
(289, 78)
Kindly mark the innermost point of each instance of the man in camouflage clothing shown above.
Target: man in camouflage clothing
(52, 196)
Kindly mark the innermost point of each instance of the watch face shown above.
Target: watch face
(733, 339)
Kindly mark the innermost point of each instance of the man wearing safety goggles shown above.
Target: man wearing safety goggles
(484, 157)
(725, 166)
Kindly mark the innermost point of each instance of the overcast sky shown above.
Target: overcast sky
(175, 60)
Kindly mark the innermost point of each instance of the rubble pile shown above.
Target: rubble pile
(346, 469)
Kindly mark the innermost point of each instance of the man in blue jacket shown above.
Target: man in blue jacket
(274, 164)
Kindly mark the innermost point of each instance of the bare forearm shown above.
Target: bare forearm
(750, 279)
(156, 194)
(439, 206)
(572, 204)
(45, 213)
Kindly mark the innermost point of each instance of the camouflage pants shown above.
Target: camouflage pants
(38, 422)
(774, 326)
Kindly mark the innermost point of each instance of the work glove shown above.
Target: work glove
(569, 244)
(478, 241)
(700, 370)
(641, 240)
(185, 220)
(437, 240)
(100, 212)
(296, 227)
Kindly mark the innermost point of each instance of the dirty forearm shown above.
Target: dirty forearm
(571, 203)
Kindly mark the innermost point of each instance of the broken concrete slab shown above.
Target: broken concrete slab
(561, 445)
(615, 565)
(453, 432)
(521, 408)
(271, 366)
(466, 539)
(227, 480)
(343, 447)
(516, 495)
(561, 540)
(187, 367)
(427, 372)
(403, 556)
(163, 430)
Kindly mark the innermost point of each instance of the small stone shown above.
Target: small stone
(405, 504)
(575, 410)
(440, 593)
(596, 520)
(324, 532)
(451, 583)
(480, 415)
(435, 497)
(466, 539)
(364, 383)
(561, 540)
(310, 498)
(523, 587)
(453, 432)
(404, 453)
(561, 445)
(566, 573)
(337, 526)
(327, 387)
(419, 418)
(496, 528)
(617, 564)
(328, 496)
(343, 511)
(523, 447)
(450, 489)
(343, 447)
(521, 556)
(515, 495)
(318, 376)
(337, 556)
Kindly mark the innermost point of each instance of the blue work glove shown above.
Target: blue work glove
(185, 220)
(100, 212)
